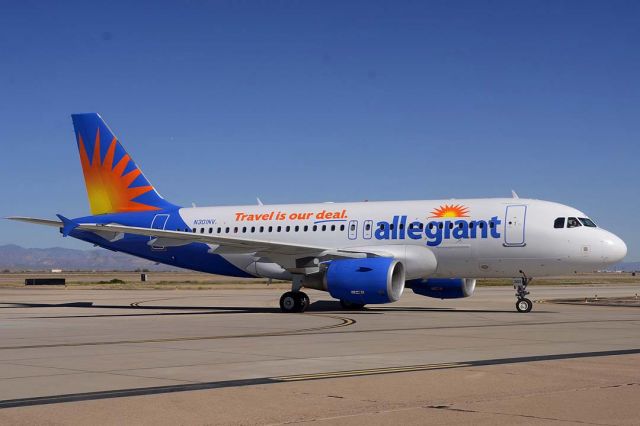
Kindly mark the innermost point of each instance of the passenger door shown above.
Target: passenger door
(514, 226)
(353, 229)
(367, 231)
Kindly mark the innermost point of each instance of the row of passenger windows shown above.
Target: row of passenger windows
(314, 228)
(573, 222)
(261, 229)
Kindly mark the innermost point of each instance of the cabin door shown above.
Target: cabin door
(514, 226)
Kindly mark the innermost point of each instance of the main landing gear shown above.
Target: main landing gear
(294, 301)
(520, 284)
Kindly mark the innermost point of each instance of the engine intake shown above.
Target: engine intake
(443, 288)
(365, 281)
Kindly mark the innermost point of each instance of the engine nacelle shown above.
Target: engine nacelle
(444, 288)
(365, 281)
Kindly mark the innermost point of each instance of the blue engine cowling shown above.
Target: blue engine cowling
(365, 281)
(443, 288)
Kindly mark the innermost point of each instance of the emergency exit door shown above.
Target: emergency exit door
(514, 226)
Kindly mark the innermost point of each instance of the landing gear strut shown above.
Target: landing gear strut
(295, 300)
(520, 284)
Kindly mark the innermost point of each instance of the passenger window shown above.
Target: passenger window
(297, 228)
(288, 228)
(279, 228)
(306, 228)
(271, 229)
(353, 226)
(261, 229)
(587, 222)
(558, 223)
(253, 229)
(342, 227)
(211, 230)
(324, 227)
(315, 228)
(367, 226)
(572, 222)
(202, 230)
(244, 229)
(226, 230)
(235, 230)
(333, 227)
(219, 230)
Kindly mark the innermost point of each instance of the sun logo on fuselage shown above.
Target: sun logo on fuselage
(108, 187)
(450, 210)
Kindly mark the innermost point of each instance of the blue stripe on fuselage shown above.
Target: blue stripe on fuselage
(192, 256)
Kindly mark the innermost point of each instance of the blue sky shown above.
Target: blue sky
(220, 102)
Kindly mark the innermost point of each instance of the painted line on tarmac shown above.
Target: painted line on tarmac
(342, 322)
(371, 371)
(122, 393)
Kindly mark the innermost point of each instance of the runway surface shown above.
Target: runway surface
(230, 356)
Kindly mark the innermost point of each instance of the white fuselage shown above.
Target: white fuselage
(500, 237)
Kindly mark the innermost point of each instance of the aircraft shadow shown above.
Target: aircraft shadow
(318, 306)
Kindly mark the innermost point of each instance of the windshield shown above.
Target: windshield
(572, 222)
(587, 222)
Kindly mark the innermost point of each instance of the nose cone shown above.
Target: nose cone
(614, 249)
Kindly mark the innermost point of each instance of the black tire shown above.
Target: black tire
(289, 302)
(351, 306)
(304, 301)
(524, 305)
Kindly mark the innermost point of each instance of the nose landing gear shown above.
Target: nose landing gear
(523, 304)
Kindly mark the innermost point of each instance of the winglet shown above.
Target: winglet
(513, 194)
(68, 225)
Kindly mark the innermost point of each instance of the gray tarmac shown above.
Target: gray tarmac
(78, 356)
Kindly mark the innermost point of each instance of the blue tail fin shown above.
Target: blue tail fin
(115, 184)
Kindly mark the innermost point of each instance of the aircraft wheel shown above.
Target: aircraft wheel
(294, 301)
(350, 305)
(524, 305)
(304, 301)
(289, 302)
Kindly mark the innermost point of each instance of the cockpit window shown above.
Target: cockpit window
(587, 222)
(572, 222)
(559, 223)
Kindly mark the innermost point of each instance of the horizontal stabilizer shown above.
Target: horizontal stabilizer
(37, 221)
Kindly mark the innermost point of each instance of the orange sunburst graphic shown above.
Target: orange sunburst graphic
(108, 189)
(450, 210)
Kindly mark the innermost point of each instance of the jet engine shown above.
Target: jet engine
(443, 288)
(365, 281)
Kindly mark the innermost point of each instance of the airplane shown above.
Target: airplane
(360, 252)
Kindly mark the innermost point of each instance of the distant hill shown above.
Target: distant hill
(626, 267)
(16, 258)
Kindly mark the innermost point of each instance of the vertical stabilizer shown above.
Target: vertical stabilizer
(115, 184)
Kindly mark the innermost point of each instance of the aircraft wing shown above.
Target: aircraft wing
(113, 232)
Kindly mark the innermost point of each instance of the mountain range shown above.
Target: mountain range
(16, 258)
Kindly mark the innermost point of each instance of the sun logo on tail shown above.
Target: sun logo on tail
(108, 188)
(450, 210)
